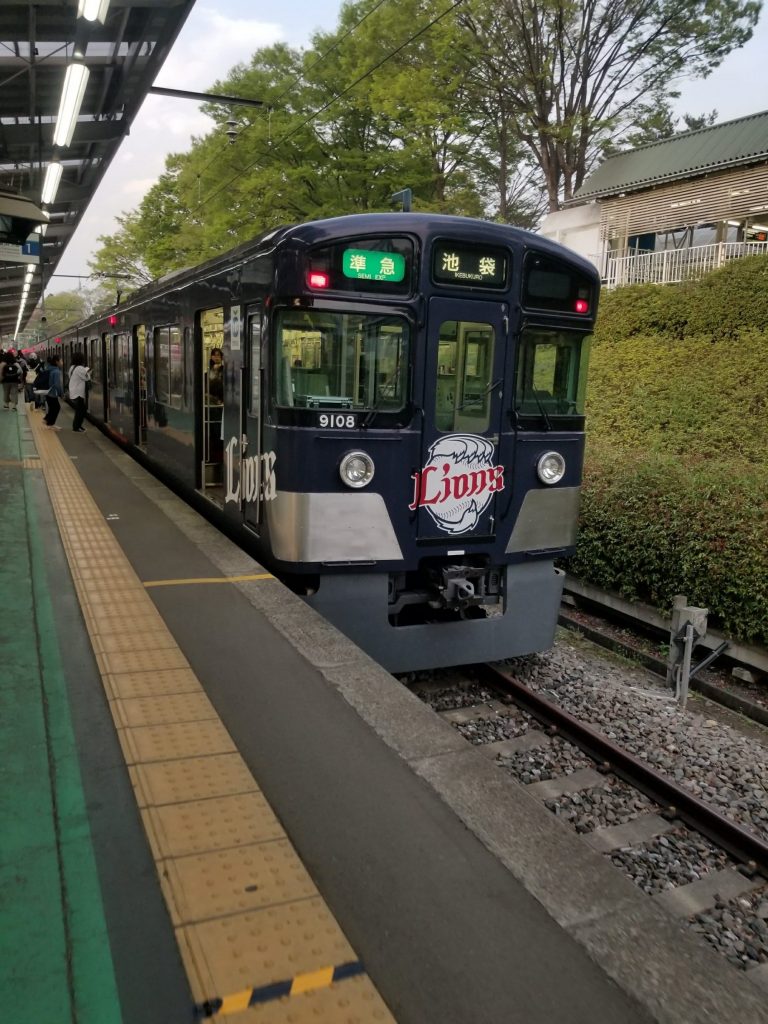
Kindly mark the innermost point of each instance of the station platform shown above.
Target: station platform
(213, 805)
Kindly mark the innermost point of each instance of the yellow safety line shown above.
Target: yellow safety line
(211, 579)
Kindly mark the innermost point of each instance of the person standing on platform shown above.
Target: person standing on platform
(12, 377)
(29, 383)
(79, 378)
(54, 393)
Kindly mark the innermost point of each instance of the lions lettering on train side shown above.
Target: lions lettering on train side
(458, 481)
(257, 474)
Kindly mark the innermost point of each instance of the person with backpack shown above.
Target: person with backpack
(29, 382)
(50, 382)
(11, 377)
(79, 378)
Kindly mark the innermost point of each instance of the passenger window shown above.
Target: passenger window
(169, 366)
(551, 372)
(464, 376)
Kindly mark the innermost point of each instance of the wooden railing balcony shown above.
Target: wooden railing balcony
(670, 265)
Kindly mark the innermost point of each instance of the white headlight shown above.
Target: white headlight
(356, 469)
(551, 468)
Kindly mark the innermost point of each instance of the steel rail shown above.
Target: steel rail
(674, 800)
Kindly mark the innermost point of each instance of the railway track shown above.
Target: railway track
(705, 868)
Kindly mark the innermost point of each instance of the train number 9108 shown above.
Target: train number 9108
(347, 421)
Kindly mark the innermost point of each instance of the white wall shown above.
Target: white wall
(578, 228)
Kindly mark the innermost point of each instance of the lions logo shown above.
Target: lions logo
(458, 481)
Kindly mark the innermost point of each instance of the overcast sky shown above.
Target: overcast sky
(218, 35)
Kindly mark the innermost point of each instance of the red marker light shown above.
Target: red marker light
(581, 306)
(57, 340)
(112, 320)
(318, 280)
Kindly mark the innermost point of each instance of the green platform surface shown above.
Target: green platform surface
(55, 960)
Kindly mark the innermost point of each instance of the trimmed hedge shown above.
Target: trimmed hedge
(675, 496)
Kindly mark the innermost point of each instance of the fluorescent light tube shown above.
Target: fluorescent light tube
(93, 10)
(51, 183)
(72, 94)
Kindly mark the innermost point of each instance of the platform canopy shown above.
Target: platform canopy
(109, 52)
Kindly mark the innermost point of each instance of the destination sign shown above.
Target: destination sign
(474, 267)
(369, 265)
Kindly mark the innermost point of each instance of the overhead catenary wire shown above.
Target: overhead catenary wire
(330, 103)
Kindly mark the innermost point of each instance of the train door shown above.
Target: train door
(210, 344)
(253, 471)
(141, 371)
(460, 475)
(108, 380)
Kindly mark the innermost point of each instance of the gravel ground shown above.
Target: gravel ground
(738, 929)
(498, 727)
(668, 861)
(755, 692)
(709, 758)
(444, 694)
(559, 758)
(612, 804)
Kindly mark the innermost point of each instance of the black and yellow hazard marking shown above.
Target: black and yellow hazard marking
(209, 579)
(308, 982)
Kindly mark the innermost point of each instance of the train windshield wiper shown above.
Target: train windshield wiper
(542, 410)
(381, 398)
(483, 393)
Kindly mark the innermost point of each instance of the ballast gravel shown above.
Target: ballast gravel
(544, 763)
(738, 928)
(709, 758)
(674, 859)
(615, 803)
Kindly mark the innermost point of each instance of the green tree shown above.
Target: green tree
(123, 253)
(61, 310)
(575, 74)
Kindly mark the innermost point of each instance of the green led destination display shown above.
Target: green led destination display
(369, 265)
(473, 267)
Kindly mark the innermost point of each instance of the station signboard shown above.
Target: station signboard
(28, 252)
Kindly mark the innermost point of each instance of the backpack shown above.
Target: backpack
(43, 380)
(12, 373)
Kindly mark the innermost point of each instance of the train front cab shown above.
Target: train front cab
(493, 494)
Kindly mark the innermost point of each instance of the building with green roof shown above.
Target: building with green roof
(673, 209)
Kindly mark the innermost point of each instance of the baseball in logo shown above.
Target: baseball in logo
(458, 481)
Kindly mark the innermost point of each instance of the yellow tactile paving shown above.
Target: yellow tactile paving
(176, 739)
(250, 923)
(200, 825)
(104, 625)
(200, 778)
(141, 660)
(223, 882)
(161, 709)
(290, 940)
(152, 684)
(155, 639)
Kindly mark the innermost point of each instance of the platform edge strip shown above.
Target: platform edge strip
(307, 982)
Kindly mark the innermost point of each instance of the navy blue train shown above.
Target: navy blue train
(388, 410)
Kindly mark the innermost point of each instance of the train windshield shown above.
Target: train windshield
(551, 372)
(341, 360)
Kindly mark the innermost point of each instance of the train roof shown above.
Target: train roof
(310, 233)
(424, 224)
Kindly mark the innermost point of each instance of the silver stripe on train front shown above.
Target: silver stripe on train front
(339, 527)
